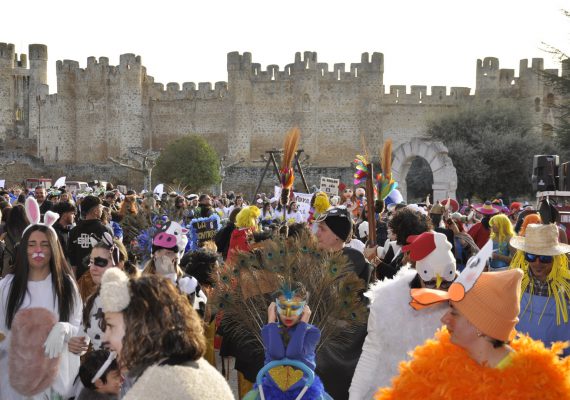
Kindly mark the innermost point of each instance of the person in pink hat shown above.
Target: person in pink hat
(481, 231)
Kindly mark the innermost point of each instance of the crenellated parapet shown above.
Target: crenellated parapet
(493, 81)
(306, 65)
(189, 91)
(418, 94)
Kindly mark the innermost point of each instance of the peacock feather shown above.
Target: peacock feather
(245, 291)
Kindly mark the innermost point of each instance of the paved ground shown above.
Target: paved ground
(232, 373)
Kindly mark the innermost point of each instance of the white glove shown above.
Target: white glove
(58, 336)
(187, 285)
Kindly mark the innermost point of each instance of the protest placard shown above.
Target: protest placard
(329, 186)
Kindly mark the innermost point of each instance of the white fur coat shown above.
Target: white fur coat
(197, 380)
(394, 329)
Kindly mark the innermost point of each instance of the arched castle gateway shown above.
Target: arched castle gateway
(435, 153)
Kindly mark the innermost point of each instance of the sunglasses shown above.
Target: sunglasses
(543, 259)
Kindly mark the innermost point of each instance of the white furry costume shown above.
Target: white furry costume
(394, 329)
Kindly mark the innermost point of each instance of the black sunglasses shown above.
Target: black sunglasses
(543, 259)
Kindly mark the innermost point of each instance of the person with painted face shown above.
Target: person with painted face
(288, 334)
(40, 311)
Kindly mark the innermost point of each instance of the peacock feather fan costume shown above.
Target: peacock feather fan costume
(245, 289)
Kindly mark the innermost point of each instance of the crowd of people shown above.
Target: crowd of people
(108, 295)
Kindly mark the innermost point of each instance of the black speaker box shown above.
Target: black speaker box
(544, 172)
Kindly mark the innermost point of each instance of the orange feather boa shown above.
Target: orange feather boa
(441, 370)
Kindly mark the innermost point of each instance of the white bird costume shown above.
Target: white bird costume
(394, 327)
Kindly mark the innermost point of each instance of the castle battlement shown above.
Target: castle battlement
(102, 110)
(307, 64)
(492, 80)
(189, 91)
(418, 94)
(7, 51)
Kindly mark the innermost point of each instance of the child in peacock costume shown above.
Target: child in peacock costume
(274, 281)
(289, 335)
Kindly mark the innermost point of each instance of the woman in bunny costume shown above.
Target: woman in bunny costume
(37, 358)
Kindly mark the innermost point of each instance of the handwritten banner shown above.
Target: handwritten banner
(202, 230)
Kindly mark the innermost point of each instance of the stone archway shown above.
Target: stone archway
(435, 153)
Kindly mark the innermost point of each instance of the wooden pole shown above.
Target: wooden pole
(370, 212)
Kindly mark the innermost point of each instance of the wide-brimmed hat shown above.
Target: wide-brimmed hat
(541, 240)
(487, 208)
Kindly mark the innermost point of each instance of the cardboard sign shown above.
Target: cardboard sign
(202, 230)
(303, 201)
(330, 186)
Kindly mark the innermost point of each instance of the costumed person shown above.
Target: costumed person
(292, 214)
(501, 233)
(403, 223)
(242, 235)
(245, 291)
(105, 254)
(40, 313)
(347, 198)
(465, 246)
(480, 232)
(514, 211)
(360, 202)
(433, 266)
(267, 217)
(545, 300)
(288, 335)
(165, 260)
(100, 376)
(336, 368)
(477, 356)
(166, 361)
(533, 218)
(203, 265)
(319, 204)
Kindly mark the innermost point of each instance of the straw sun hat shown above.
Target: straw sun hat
(541, 240)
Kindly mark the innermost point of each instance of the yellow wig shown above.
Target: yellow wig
(247, 217)
(321, 203)
(505, 228)
(558, 282)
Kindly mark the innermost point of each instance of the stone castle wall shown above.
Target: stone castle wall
(101, 110)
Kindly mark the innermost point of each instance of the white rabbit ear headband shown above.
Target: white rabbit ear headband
(108, 241)
(34, 216)
(115, 294)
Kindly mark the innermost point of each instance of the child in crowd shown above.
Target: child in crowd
(100, 376)
(288, 335)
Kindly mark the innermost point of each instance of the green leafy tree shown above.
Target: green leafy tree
(189, 161)
(561, 87)
(491, 147)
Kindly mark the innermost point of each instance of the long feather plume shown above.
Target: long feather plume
(286, 173)
(385, 182)
(387, 159)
